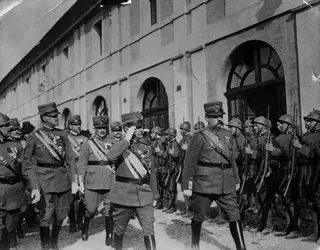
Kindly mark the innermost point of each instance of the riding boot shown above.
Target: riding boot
(72, 219)
(109, 231)
(150, 242)
(118, 239)
(237, 234)
(85, 229)
(45, 237)
(20, 232)
(196, 230)
(314, 236)
(159, 204)
(80, 214)
(54, 236)
(12, 239)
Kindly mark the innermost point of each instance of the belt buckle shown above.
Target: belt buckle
(11, 180)
(223, 166)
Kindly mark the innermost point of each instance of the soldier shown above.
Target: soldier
(198, 126)
(12, 197)
(96, 176)
(15, 133)
(116, 129)
(135, 189)
(76, 141)
(26, 130)
(257, 151)
(281, 152)
(211, 174)
(185, 131)
(172, 154)
(309, 166)
(50, 165)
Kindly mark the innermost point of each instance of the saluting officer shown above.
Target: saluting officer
(12, 197)
(185, 131)
(96, 175)
(135, 189)
(76, 141)
(211, 174)
(309, 159)
(49, 163)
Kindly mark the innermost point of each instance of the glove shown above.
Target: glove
(269, 147)
(130, 133)
(171, 150)
(187, 193)
(74, 188)
(35, 195)
(248, 150)
(296, 143)
(237, 186)
(155, 202)
(185, 146)
(81, 187)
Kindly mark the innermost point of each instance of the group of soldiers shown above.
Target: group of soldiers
(49, 174)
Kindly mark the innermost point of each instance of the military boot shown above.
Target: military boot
(196, 230)
(118, 239)
(150, 242)
(80, 215)
(72, 219)
(12, 240)
(159, 204)
(45, 237)
(20, 232)
(85, 229)
(315, 235)
(237, 235)
(109, 231)
(54, 236)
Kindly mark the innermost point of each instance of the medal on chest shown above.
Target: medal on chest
(56, 139)
(13, 152)
(107, 146)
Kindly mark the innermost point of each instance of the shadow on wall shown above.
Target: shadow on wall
(268, 9)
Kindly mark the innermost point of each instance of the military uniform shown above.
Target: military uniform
(98, 176)
(49, 162)
(135, 188)
(12, 195)
(76, 141)
(212, 174)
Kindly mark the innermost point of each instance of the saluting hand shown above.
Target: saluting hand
(35, 195)
(130, 132)
(187, 193)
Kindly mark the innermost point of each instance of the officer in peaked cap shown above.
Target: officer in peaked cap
(12, 197)
(135, 189)
(116, 129)
(309, 158)
(210, 154)
(96, 175)
(76, 140)
(50, 165)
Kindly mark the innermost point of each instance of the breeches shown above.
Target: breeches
(92, 200)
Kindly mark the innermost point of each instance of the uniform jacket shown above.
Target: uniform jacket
(282, 146)
(159, 159)
(96, 177)
(53, 179)
(11, 196)
(79, 140)
(238, 145)
(257, 144)
(210, 180)
(176, 151)
(130, 194)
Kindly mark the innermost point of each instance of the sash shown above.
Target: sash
(134, 164)
(49, 144)
(99, 152)
(212, 140)
(74, 145)
(8, 163)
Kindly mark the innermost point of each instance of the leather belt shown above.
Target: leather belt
(10, 180)
(49, 165)
(214, 165)
(102, 163)
(132, 180)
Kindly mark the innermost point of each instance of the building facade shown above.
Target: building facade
(168, 57)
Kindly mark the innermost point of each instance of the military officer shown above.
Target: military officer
(199, 125)
(211, 174)
(116, 129)
(49, 164)
(135, 189)
(172, 154)
(76, 142)
(96, 176)
(309, 159)
(12, 197)
(185, 131)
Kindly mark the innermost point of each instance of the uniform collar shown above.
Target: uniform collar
(46, 127)
(74, 132)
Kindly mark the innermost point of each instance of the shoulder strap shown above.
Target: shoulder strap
(45, 140)
(214, 146)
(75, 147)
(6, 164)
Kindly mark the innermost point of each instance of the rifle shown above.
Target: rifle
(169, 168)
(180, 164)
(265, 161)
(246, 164)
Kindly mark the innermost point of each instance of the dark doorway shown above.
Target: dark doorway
(256, 81)
(155, 104)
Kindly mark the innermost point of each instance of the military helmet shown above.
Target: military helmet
(286, 119)
(157, 130)
(248, 123)
(235, 122)
(172, 131)
(199, 125)
(185, 126)
(4, 120)
(314, 115)
(166, 132)
(261, 120)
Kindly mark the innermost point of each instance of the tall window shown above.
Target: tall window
(153, 11)
(98, 36)
(65, 114)
(100, 106)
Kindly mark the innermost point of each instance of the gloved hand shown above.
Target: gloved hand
(130, 132)
(81, 187)
(187, 193)
(74, 188)
(35, 195)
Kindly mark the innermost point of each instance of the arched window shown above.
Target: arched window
(155, 103)
(255, 81)
(65, 114)
(100, 106)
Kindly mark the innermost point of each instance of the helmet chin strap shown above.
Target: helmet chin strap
(313, 129)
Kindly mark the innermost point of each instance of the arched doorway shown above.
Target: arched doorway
(65, 114)
(100, 106)
(155, 104)
(256, 81)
